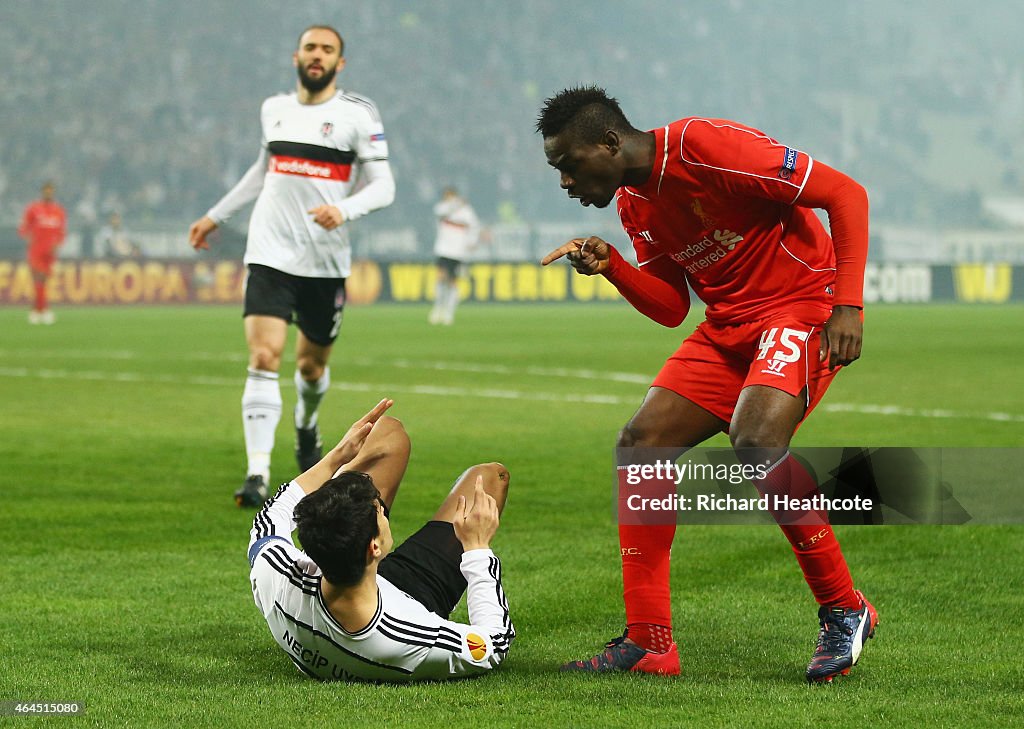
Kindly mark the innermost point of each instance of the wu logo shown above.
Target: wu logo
(646, 235)
(776, 365)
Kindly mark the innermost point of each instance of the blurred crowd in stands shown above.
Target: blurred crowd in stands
(150, 109)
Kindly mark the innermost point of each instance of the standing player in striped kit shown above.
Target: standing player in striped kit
(314, 142)
(723, 209)
(458, 232)
(350, 607)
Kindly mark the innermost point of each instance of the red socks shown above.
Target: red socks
(646, 549)
(814, 543)
(645, 538)
(40, 287)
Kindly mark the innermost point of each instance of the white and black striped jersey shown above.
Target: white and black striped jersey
(458, 229)
(311, 155)
(403, 642)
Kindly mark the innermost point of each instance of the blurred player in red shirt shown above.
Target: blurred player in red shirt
(723, 209)
(43, 226)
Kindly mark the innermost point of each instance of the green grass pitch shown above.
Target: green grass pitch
(123, 572)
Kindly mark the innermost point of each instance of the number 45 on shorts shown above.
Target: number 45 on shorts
(789, 344)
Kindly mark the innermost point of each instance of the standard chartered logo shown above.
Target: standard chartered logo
(709, 249)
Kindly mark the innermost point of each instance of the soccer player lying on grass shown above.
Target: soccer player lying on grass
(726, 210)
(350, 608)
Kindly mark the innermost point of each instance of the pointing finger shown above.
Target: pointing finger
(570, 247)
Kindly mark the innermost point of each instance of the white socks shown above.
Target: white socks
(310, 395)
(261, 411)
(451, 301)
(446, 298)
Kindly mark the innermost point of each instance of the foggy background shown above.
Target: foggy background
(150, 109)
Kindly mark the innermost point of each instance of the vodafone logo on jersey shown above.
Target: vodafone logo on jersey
(309, 168)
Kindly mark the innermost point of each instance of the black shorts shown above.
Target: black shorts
(316, 303)
(427, 567)
(450, 266)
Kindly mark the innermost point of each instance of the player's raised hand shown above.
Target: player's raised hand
(327, 216)
(841, 337)
(351, 443)
(589, 256)
(476, 524)
(347, 449)
(198, 231)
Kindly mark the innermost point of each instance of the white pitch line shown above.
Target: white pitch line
(427, 390)
(472, 392)
(123, 354)
(487, 369)
(579, 374)
(941, 413)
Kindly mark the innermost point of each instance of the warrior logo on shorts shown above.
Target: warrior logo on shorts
(327, 128)
(775, 367)
(477, 646)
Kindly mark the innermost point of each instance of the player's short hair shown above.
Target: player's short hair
(587, 111)
(336, 524)
(341, 41)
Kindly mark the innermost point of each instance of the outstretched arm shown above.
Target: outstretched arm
(245, 191)
(658, 290)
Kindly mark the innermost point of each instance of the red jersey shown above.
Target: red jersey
(722, 202)
(43, 225)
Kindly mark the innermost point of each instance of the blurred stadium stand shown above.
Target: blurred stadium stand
(150, 108)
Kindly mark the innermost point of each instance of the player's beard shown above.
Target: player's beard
(316, 85)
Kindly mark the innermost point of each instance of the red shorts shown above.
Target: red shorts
(41, 261)
(717, 361)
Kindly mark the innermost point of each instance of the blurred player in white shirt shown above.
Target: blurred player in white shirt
(351, 608)
(458, 233)
(317, 142)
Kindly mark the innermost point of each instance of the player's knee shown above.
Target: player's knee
(492, 473)
(310, 369)
(392, 433)
(626, 439)
(498, 472)
(756, 435)
(634, 435)
(388, 425)
(262, 357)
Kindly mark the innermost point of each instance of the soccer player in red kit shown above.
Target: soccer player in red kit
(43, 226)
(725, 210)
